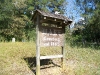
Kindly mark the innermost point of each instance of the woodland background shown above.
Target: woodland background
(15, 19)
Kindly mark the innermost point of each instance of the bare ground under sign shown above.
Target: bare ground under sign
(48, 66)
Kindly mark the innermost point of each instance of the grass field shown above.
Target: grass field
(19, 59)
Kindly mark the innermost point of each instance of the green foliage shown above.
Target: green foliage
(12, 19)
(68, 35)
(91, 13)
(93, 26)
(15, 17)
(5, 18)
(56, 5)
(51, 5)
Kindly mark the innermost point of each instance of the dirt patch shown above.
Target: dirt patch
(52, 66)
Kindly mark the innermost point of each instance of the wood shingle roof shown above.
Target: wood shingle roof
(53, 16)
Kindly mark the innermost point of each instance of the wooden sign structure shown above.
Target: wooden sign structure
(50, 30)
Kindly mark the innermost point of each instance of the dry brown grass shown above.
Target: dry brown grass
(19, 59)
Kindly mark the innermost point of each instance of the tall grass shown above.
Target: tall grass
(79, 61)
(86, 61)
(11, 58)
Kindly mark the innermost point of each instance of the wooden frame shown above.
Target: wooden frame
(55, 30)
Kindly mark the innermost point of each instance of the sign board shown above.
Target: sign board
(50, 36)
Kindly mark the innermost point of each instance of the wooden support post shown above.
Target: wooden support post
(63, 51)
(38, 61)
(37, 48)
(63, 58)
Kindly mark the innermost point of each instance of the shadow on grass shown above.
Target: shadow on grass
(45, 63)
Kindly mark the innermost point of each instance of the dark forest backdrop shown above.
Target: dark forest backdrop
(15, 19)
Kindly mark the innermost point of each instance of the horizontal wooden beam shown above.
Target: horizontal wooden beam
(51, 56)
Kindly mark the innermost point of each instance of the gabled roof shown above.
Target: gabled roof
(52, 15)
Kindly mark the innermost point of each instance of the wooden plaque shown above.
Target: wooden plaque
(50, 36)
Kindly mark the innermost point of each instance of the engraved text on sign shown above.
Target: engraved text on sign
(52, 37)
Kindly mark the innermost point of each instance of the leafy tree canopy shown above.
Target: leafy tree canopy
(15, 16)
